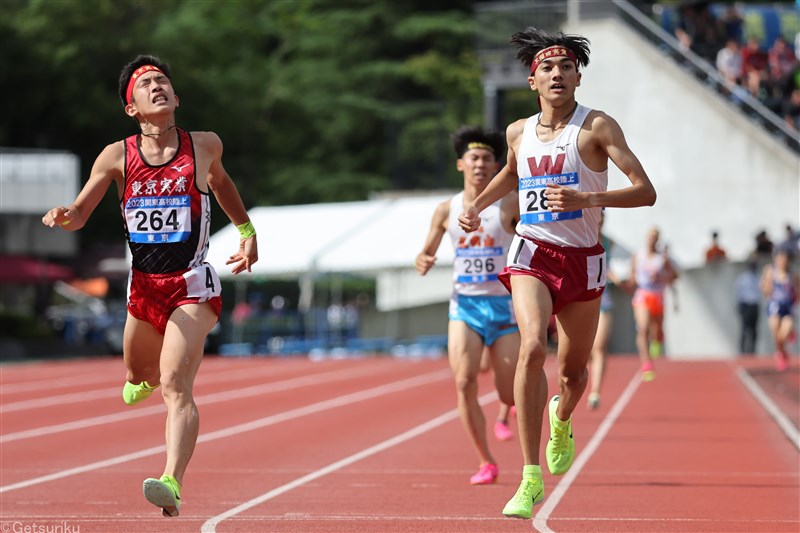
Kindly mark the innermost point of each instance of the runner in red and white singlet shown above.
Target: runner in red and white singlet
(163, 176)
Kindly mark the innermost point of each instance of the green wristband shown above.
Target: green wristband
(246, 230)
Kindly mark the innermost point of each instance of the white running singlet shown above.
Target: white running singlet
(481, 255)
(559, 162)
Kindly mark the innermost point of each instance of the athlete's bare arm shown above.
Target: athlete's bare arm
(602, 139)
(509, 212)
(427, 257)
(502, 184)
(107, 168)
(208, 147)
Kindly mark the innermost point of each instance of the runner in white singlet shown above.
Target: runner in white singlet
(558, 159)
(482, 324)
(652, 271)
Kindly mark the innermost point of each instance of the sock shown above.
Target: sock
(561, 423)
(532, 472)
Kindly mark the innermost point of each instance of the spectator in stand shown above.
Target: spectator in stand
(748, 300)
(686, 28)
(732, 24)
(791, 244)
(715, 252)
(763, 249)
(791, 110)
(710, 36)
(754, 60)
(698, 30)
(781, 60)
(797, 45)
(729, 62)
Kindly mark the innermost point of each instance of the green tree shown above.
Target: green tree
(315, 100)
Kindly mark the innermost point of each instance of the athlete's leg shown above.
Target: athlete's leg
(464, 348)
(774, 323)
(785, 327)
(505, 353)
(577, 325)
(181, 356)
(501, 433)
(599, 353)
(486, 360)
(641, 317)
(656, 334)
(532, 307)
(141, 349)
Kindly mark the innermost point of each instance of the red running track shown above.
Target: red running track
(374, 445)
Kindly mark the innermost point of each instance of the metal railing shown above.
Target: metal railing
(496, 21)
(736, 97)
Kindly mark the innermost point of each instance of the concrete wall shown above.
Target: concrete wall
(711, 166)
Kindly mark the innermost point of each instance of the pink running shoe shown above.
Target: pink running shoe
(781, 361)
(501, 431)
(485, 476)
(648, 372)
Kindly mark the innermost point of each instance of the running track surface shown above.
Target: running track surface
(374, 445)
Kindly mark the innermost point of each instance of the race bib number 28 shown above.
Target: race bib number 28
(532, 201)
(158, 219)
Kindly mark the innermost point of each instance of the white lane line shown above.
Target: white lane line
(50, 384)
(325, 405)
(210, 526)
(138, 412)
(550, 503)
(60, 399)
(769, 406)
(83, 396)
(308, 517)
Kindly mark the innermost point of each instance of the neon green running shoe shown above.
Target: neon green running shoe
(133, 394)
(529, 493)
(560, 451)
(165, 493)
(656, 349)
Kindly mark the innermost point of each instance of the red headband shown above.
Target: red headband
(136, 73)
(550, 52)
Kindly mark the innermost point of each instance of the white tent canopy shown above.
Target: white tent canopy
(379, 237)
(292, 238)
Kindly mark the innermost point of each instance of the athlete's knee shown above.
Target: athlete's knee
(532, 353)
(573, 377)
(466, 383)
(175, 386)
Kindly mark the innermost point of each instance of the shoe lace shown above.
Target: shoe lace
(525, 492)
(560, 438)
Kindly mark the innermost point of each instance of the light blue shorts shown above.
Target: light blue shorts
(491, 317)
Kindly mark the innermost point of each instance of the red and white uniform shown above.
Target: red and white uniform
(167, 223)
(559, 248)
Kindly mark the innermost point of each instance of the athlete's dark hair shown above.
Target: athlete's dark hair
(531, 41)
(466, 135)
(130, 68)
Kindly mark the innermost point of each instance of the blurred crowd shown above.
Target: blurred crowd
(766, 71)
(764, 248)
